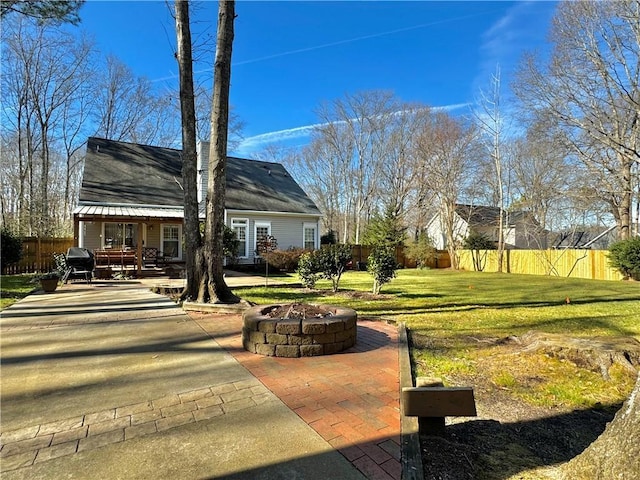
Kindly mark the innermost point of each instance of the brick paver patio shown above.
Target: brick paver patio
(351, 399)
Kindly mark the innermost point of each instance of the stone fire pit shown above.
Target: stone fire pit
(298, 330)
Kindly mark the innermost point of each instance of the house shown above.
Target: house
(520, 229)
(131, 201)
(596, 238)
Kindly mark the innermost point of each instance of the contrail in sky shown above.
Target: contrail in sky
(339, 42)
(306, 130)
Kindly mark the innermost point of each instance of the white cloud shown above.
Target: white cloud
(523, 27)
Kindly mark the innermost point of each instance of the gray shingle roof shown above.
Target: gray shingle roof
(127, 173)
(480, 215)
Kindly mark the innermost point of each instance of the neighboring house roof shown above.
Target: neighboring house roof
(143, 179)
(480, 215)
(595, 238)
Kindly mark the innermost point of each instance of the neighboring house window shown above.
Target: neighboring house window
(309, 236)
(262, 229)
(240, 227)
(171, 235)
(118, 235)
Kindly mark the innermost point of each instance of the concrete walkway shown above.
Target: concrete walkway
(111, 381)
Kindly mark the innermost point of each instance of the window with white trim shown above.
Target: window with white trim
(240, 227)
(309, 236)
(260, 230)
(119, 235)
(172, 241)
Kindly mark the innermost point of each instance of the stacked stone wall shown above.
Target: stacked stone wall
(291, 338)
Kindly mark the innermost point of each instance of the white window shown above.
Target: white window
(172, 241)
(240, 226)
(261, 230)
(309, 236)
(119, 235)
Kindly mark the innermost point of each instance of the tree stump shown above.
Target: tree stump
(597, 354)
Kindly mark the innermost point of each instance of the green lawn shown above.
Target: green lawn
(457, 319)
(13, 288)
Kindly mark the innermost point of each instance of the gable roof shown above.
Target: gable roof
(264, 186)
(598, 238)
(120, 173)
(129, 173)
(481, 216)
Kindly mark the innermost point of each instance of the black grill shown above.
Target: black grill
(80, 264)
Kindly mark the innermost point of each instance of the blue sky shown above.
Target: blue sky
(291, 56)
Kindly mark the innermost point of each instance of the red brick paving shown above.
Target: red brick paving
(351, 399)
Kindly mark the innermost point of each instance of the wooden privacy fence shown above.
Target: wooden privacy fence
(37, 254)
(360, 253)
(590, 264)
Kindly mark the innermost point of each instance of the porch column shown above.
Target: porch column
(76, 230)
(139, 249)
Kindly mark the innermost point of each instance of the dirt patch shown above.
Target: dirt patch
(363, 295)
(511, 438)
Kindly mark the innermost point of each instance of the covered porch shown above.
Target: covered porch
(140, 241)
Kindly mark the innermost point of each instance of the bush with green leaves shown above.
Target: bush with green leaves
(332, 261)
(307, 270)
(329, 262)
(10, 248)
(382, 265)
(625, 256)
(476, 242)
(421, 251)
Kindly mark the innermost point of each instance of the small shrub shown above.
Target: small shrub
(625, 256)
(307, 270)
(329, 263)
(284, 260)
(382, 265)
(10, 248)
(421, 251)
(332, 261)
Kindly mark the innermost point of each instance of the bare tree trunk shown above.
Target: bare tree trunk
(615, 453)
(213, 287)
(193, 239)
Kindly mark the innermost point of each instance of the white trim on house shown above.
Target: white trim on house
(309, 225)
(242, 223)
(264, 212)
(163, 228)
(259, 224)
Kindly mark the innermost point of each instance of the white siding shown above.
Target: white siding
(286, 229)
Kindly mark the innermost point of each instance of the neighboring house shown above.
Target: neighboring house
(596, 238)
(520, 229)
(132, 199)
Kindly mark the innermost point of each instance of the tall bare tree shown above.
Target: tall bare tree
(447, 148)
(42, 68)
(489, 117)
(213, 287)
(193, 238)
(129, 109)
(590, 86)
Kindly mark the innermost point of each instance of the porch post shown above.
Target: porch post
(139, 249)
(76, 231)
